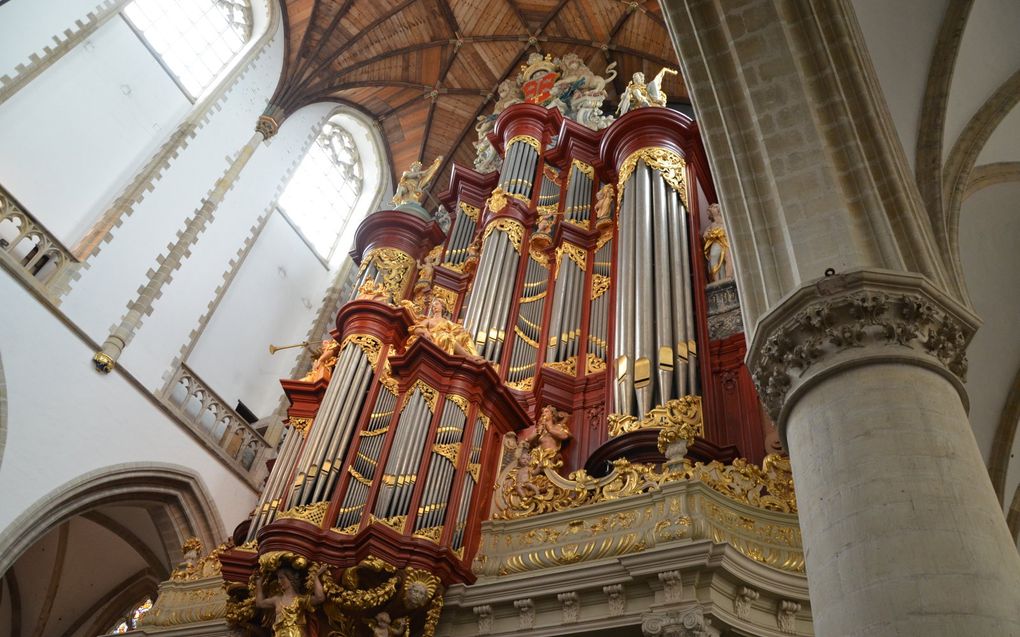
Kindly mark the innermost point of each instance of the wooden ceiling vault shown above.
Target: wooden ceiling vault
(426, 69)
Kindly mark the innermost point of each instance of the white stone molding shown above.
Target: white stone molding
(25, 73)
(193, 401)
(689, 622)
(854, 319)
(571, 606)
(484, 615)
(616, 599)
(786, 616)
(672, 586)
(29, 251)
(742, 601)
(526, 613)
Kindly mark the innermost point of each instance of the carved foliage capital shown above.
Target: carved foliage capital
(856, 315)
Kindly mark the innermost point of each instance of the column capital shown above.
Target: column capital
(689, 622)
(856, 318)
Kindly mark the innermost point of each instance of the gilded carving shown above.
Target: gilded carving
(471, 212)
(414, 181)
(497, 200)
(300, 425)
(396, 267)
(525, 139)
(680, 414)
(370, 345)
(311, 513)
(669, 164)
(513, 229)
(447, 335)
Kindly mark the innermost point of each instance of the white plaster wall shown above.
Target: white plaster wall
(989, 55)
(989, 234)
(273, 299)
(193, 288)
(76, 132)
(65, 420)
(26, 29)
(901, 39)
(99, 299)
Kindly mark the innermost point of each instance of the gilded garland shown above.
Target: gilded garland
(669, 164)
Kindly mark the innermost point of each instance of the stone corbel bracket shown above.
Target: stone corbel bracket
(853, 319)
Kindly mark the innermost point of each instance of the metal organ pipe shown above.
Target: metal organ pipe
(643, 315)
(663, 297)
(653, 293)
(323, 425)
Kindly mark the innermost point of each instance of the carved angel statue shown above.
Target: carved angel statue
(450, 337)
(550, 432)
(716, 246)
(639, 95)
(414, 181)
(291, 606)
(322, 368)
(427, 271)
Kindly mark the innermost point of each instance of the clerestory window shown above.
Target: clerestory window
(321, 196)
(194, 39)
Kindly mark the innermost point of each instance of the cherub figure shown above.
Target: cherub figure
(383, 626)
(414, 181)
(525, 472)
(290, 607)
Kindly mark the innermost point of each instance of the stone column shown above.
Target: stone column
(857, 350)
(141, 306)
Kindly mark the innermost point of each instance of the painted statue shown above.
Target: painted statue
(604, 206)
(716, 246)
(290, 607)
(322, 368)
(638, 94)
(450, 337)
(414, 181)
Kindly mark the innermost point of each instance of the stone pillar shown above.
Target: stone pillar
(141, 306)
(857, 350)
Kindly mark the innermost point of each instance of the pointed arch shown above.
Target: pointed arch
(175, 488)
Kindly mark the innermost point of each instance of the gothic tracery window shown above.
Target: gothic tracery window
(321, 196)
(194, 38)
(131, 621)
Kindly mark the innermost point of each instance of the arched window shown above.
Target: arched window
(195, 39)
(321, 196)
(130, 622)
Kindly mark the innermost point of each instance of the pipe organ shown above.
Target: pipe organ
(568, 287)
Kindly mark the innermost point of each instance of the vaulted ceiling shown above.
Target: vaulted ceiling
(425, 69)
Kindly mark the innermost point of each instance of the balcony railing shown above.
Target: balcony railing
(31, 249)
(192, 400)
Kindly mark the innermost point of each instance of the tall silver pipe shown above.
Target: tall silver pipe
(681, 287)
(340, 428)
(501, 311)
(413, 459)
(339, 448)
(481, 299)
(556, 316)
(481, 283)
(664, 356)
(399, 453)
(498, 278)
(570, 312)
(644, 314)
(325, 422)
(397, 446)
(623, 362)
(412, 462)
(692, 361)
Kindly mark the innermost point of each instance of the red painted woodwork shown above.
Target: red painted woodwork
(404, 231)
(575, 142)
(468, 186)
(525, 119)
(642, 128)
(733, 416)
